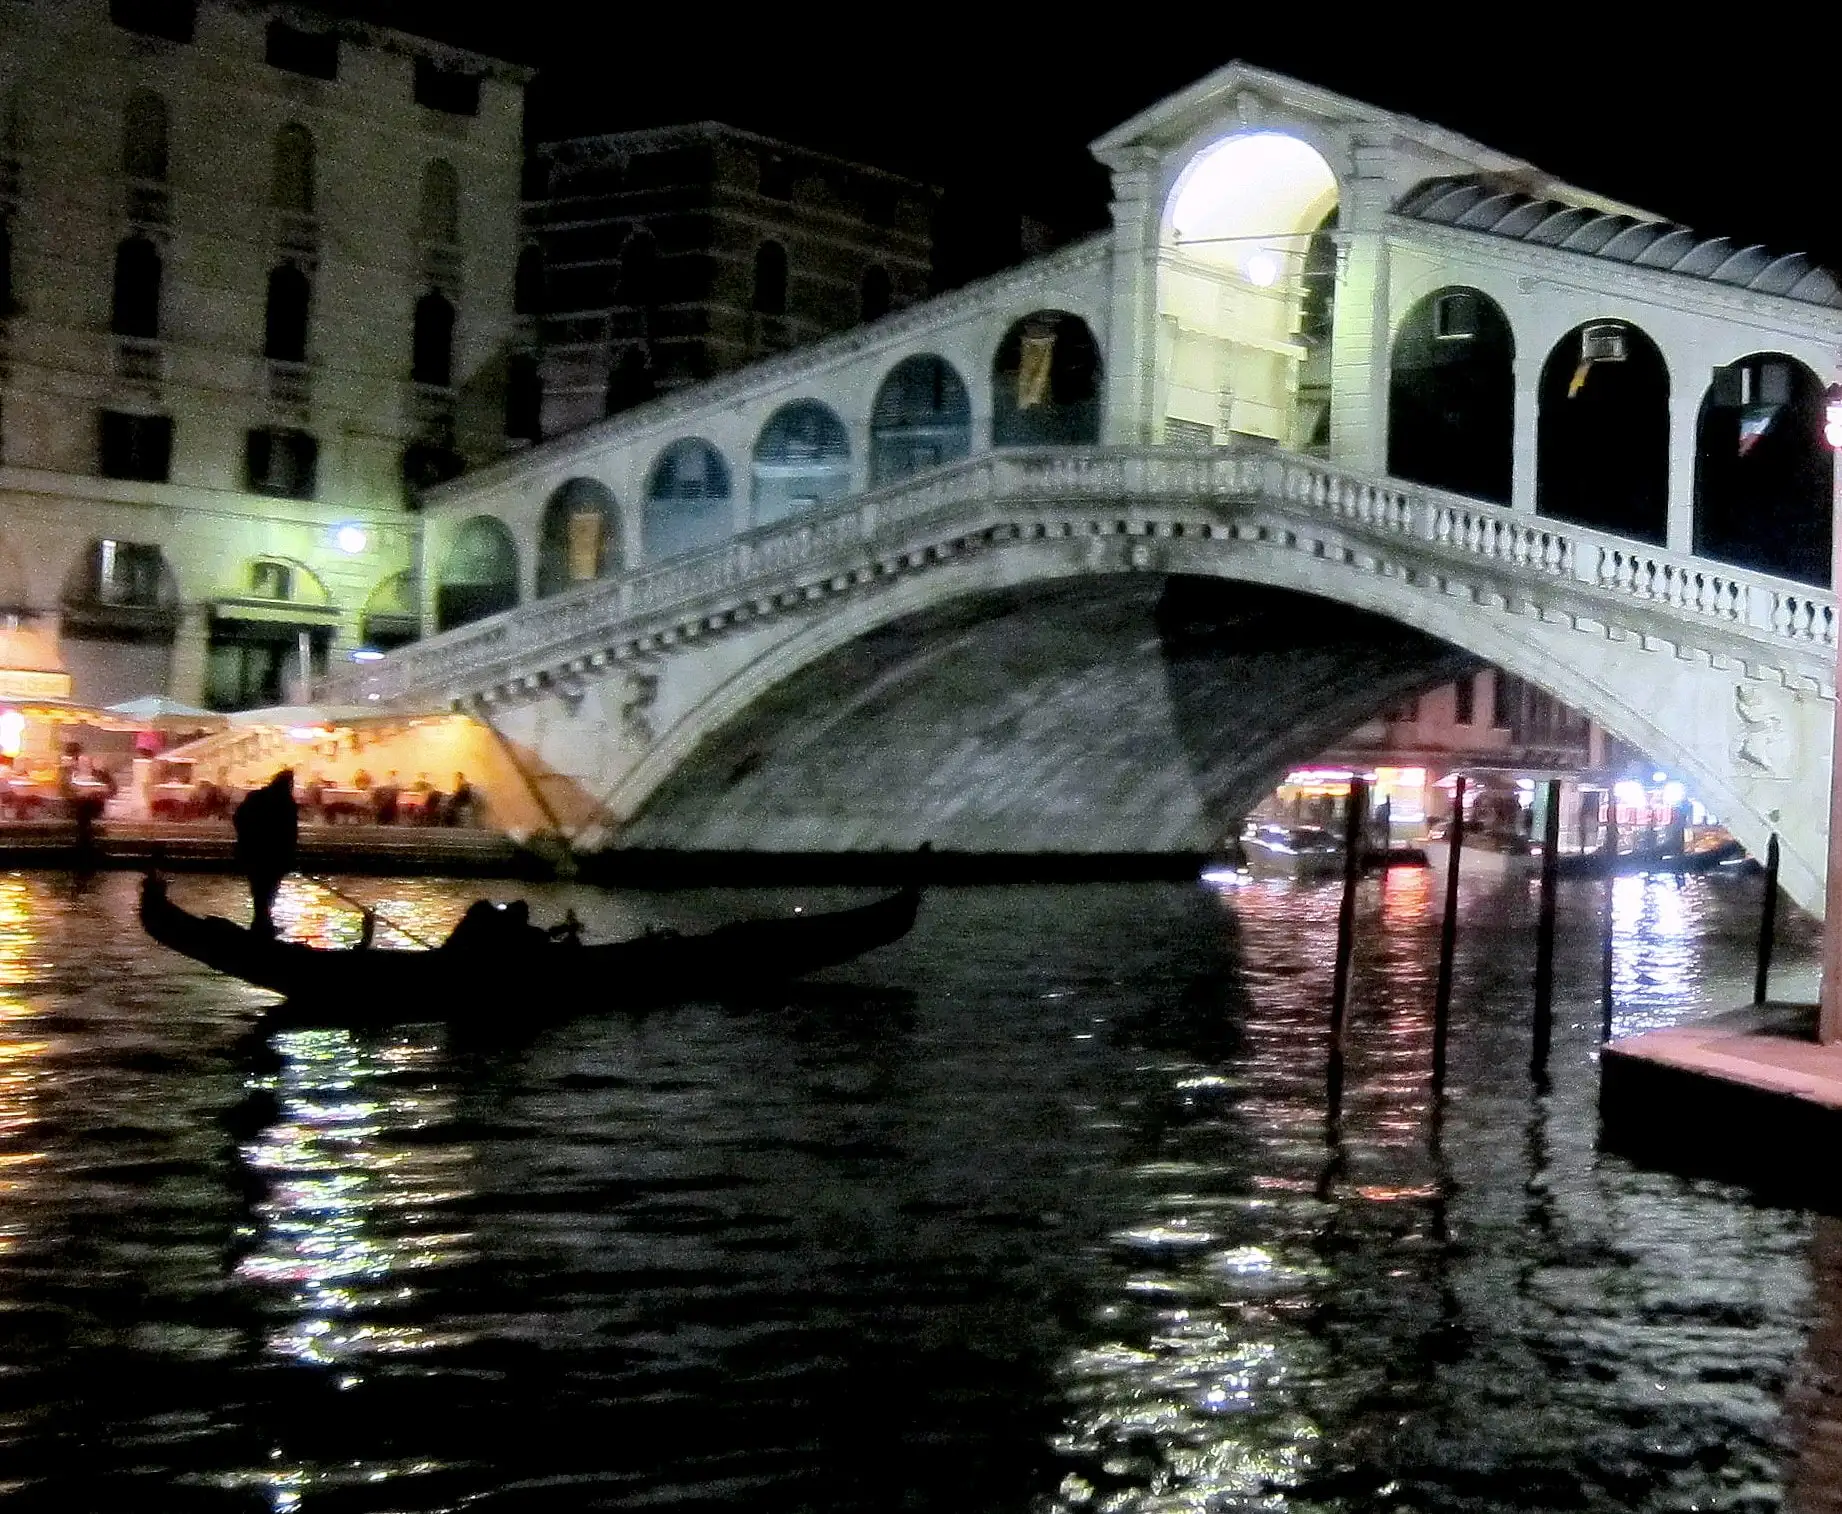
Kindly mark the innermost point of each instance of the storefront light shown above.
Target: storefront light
(12, 732)
(351, 539)
(1263, 270)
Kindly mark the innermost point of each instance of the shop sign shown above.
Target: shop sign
(30, 683)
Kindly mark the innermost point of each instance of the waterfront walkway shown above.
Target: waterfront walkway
(209, 845)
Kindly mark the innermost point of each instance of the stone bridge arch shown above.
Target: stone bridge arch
(1754, 749)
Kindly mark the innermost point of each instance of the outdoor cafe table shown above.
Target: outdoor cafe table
(345, 804)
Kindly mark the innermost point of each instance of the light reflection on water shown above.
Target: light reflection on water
(1064, 1226)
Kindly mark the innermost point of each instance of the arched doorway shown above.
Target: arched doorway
(802, 458)
(1602, 439)
(922, 418)
(687, 500)
(580, 537)
(1045, 383)
(480, 575)
(1764, 477)
(1244, 304)
(1452, 396)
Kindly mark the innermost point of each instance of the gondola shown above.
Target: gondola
(516, 972)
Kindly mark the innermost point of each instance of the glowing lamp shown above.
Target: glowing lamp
(1263, 270)
(1630, 794)
(12, 732)
(367, 654)
(1674, 794)
(351, 539)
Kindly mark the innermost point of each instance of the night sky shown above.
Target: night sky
(1733, 132)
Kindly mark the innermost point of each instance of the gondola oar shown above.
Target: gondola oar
(365, 909)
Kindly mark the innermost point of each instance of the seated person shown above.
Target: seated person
(384, 799)
(495, 928)
(459, 808)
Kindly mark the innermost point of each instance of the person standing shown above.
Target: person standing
(268, 832)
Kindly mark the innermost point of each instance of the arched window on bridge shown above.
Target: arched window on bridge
(922, 418)
(1246, 283)
(1452, 396)
(479, 576)
(580, 537)
(1763, 474)
(1602, 440)
(687, 500)
(802, 459)
(1045, 383)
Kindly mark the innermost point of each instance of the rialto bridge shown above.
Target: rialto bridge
(1081, 556)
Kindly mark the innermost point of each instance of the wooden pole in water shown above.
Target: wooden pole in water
(1605, 956)
(1346, 934)
(1768, 922)
(1544, 934)
(1448, 934)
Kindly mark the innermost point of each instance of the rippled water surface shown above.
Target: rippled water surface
(1036, 1210)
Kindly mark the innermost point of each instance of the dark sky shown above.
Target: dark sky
(1734, 132)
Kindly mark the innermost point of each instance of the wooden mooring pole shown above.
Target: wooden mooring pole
(1605, 952)
(1346, 935)
(1544, 934)
(1448, 934)
(1768, 922)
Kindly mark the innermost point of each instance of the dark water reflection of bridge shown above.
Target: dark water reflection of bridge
(1040, 1215)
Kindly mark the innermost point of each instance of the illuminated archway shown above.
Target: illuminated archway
(802, 458)
(687, 500)
(1045, 383)
(480, 575)
(1245, 286)
(580, 537)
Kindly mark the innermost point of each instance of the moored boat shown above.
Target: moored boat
(495, 971)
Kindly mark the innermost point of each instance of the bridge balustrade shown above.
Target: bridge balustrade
(1226, 493)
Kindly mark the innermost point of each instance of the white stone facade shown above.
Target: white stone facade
(236, 142)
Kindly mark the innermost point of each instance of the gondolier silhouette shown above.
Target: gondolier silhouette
(268, 831)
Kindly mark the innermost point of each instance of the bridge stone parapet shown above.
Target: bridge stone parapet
(1722, 674)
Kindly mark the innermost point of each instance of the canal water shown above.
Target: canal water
(1037, 1210)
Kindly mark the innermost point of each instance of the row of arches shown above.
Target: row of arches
(1762, 474)
(1046, 376)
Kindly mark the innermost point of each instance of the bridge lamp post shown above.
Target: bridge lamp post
(1829, 1016)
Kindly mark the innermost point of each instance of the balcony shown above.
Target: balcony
(149, 203)
(290, 388)
(432, 410)
(140, 361)
(298, 234)
(442, 263)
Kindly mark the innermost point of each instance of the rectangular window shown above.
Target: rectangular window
(1464, 703)
(135, 446)
(128, 573)
(1455, 316)
(170, 19)
(451, 90)
(282, 463)
(1505, 702)
(313, 54)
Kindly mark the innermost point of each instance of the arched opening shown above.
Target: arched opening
(292, 189)
(802, 458)
(1452, 396)
(580, 537)
(922, 418)
(1764, 477)
(1045, 383)
(1602, 437)
(874, 293)
(1246, 285)
(390, 617)
(528, 282)
(135, 309)
(285, 327)
(144, 136)
(439, 217)
(432, 355)
(687, 500)
(770, 297)
(480, 575)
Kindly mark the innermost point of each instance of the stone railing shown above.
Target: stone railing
(832, 547)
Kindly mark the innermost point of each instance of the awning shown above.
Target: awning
(293, 715)
(277, 612)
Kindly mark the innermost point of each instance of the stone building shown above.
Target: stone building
(660, 258)
(256, 273)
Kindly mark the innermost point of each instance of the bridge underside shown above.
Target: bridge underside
(1127, 713)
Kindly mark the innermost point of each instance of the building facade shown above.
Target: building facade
(657, 259)
(256, 275)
